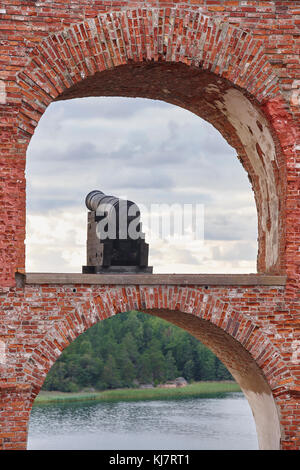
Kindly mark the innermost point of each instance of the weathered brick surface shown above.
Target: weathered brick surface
(55, 50)
(251, 328)
(234, 63)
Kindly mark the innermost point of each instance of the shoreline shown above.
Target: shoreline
(193, 390)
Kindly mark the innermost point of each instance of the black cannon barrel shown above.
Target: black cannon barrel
(97, 200)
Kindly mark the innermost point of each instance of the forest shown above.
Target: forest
(129, 350)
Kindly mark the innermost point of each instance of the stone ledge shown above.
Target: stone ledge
(156, 279)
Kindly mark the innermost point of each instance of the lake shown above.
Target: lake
(220, 423)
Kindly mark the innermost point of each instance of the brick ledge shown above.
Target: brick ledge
(155, 279)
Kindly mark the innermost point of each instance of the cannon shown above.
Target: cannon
(115, 241)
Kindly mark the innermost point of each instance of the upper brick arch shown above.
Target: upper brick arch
(137, 35)
(221, 73)
(233, 337)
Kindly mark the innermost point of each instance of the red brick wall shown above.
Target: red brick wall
(251, 45)
(249, 327)
(57, 50)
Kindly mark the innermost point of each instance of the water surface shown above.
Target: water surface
(219, 423)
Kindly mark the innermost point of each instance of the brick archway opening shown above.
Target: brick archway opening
(152, 151)
(233, 112)
(229, 350)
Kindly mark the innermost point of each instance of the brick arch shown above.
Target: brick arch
(117, 38)
(239, 343)
(142, 47)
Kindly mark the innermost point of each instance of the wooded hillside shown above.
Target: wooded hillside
(132, 349)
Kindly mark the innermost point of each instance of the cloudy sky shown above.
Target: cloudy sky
(147, 151)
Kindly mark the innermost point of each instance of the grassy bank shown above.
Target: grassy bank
(197, 389)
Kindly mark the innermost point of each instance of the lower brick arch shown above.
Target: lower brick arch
(233, 337)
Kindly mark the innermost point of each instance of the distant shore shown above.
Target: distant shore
(196, 389)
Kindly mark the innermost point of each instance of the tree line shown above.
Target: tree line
(132, 349)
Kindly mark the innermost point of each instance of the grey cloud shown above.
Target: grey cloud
(121, 107)
(85, 159)
(141, 185)
(229, 226)
(50, 257)
(178, 255)
(139, 152)
(104, 107)
(52, 156)
(193, 154)
(242, 250)
(46, 203)
(173, 196)
(141, 179)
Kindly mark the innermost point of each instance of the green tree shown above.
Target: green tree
(110, 374)
(170, 367)
(188, 370)
(145, 372)
(130, 347)
(158, 366)
(126, 368)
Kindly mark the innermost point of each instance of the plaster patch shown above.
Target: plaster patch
(2, 92)
(211, 88)
(296, 352)
(266, 419)
(295, 95)
(2, 352)
(92, 26)
(260, 148)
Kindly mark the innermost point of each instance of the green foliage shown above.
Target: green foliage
(129, 349)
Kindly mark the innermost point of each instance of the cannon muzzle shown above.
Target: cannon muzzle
(102, 204)
(95, 198)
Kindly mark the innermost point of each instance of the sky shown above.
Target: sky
(152, 153)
